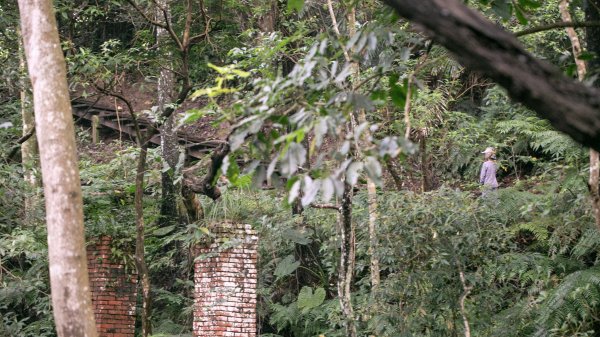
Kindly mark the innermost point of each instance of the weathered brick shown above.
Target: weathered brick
(225, 279)
(113, 291)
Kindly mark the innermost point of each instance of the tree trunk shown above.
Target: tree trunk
(140, 260)
(168, 135)
(346, 228)
(347, 260)
(268, 21)
(593, 45)
(371, 188)
(563, 7)
(373, 240)
(29, 148)
(481, 45)
(71, 298)
(426, 176)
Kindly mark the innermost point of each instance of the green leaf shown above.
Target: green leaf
(301, 237)
(398, 95)
(192, 115)
(530, 3)
(308, 300)
(164, 230)
(296, 5)
(521, 15)
(286, 266)
(502, 8)
(586, 56)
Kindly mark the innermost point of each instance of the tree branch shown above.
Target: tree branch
(327, 206)
(206, 185)
(149, 19)
(480, 45)
(555, 25)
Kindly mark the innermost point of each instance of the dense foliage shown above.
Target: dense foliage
(293, 93)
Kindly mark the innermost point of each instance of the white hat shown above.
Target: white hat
(489, 150)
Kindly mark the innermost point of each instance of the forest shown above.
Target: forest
(299, 168)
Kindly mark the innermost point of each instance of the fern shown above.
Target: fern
(524, 268)
(540, 137)
(539, 229)
(556, 144)
(588, 243)
(574, 304)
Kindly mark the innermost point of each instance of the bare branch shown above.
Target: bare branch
(555, 25)
(336, 29)
(327, 206)
(149, 19)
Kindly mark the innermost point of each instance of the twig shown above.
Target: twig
(327, 206)
(336, 29)
(555, 25)
(463, 297)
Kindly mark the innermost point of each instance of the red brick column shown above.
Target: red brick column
(113, 291)
(225, 283)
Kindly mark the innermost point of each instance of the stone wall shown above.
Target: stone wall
(225, 283)
(113, 291)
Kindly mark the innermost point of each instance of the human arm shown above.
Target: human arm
(482, 174)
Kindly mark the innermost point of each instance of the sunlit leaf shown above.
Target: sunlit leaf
(295, 5)
(308, 300)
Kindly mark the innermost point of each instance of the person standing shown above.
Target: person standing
(487, 177)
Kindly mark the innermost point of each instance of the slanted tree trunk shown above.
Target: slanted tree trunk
(71, 298)
(481, 45)
(593, 45)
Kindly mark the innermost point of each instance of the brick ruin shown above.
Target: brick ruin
(113, 291)
(225, 283)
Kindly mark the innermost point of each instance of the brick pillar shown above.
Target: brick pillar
(225, 283)
(113, 291)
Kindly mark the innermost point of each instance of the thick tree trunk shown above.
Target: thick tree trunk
(481, 45)
(71, 299)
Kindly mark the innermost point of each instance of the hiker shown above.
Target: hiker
(487, 178)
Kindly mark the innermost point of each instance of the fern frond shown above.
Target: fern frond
(588, 243)
(538, 227)
(556, 144)
(525, 268)
(576, 299)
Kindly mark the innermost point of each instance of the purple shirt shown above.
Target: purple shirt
(488, 174)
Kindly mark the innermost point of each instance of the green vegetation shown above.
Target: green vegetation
(309, 116)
